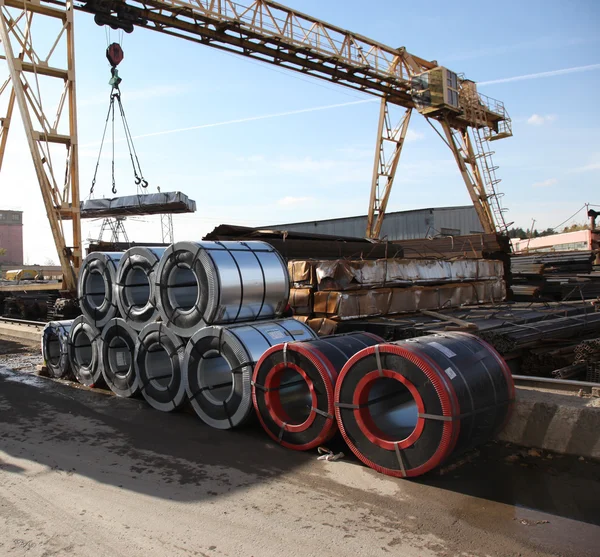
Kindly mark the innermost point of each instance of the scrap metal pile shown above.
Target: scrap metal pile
(555, 276)
(200, 323)
(328, 292)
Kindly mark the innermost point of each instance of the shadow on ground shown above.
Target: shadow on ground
(128, 444)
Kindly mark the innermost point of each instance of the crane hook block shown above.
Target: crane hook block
(114, 54)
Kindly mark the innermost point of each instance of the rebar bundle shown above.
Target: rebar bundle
(514, 337)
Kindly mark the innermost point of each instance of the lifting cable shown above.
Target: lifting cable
(114, 54)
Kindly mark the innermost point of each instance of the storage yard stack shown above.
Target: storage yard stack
(555, 276)
(201, 322)
(327, 292)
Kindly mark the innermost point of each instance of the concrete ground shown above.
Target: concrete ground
(84, 473)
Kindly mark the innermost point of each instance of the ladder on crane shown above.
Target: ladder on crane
(490, 179)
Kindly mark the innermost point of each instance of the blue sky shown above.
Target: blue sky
(242, 168)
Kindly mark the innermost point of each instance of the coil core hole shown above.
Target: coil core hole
(391, 409)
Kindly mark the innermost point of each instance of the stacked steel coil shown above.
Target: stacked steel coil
(136, 285)
(117, 346)
(215, 283)
(201, 322)
(95, 287)
(188, 287)
(55, 348)
(219, 363)
(83, 349)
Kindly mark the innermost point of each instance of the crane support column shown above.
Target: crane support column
(462, 149)
(47, 135)
(390, 141)
(5, 121)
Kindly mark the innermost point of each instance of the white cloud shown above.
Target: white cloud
(545, 183)
(540, 119)
(593, 165)
(290, 200)
(308, 164)
(412, 135)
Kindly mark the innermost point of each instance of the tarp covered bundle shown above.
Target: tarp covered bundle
(140, 204)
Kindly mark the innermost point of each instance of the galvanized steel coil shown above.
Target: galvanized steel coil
(83, 350)
(55, 341)
(135, 290)
(219, 362)
(117, 348)
(293, 387)
(158, 362)
(209, 283)
(405, 407)
(96, 287)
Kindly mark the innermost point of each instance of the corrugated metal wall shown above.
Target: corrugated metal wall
(401, 225)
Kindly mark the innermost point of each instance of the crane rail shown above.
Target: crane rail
(23, 322)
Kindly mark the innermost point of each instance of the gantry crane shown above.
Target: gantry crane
(262, 30)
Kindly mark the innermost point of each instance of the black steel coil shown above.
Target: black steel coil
(405, 407)
(293, 387)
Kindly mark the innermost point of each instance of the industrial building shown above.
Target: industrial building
(581, 240)
(11, 237)
(400, 225)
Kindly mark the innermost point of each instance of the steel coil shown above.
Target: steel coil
(135, 291)
(405, 407)
(158, 362)
(209, 283)
(293, 387)
(116, 357)
(96, 287)
(219, 362)
(55, 341)
(83, 349)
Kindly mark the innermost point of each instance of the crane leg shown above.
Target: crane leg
(47, 133)
(5, 122)
(390, 140)
(461, 146)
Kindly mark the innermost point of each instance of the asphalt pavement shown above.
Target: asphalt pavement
(84, 473)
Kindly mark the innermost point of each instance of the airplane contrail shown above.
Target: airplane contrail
(241, 120)
(541, 74)
(254, 118)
